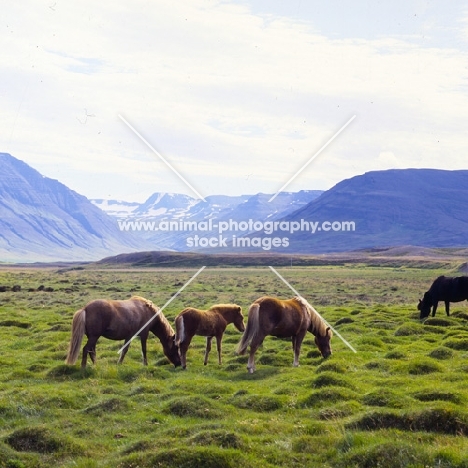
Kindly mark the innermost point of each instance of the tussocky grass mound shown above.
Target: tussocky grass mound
(399, 401)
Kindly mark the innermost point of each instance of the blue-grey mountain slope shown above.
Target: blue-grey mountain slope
(43, 220)
(419, 207)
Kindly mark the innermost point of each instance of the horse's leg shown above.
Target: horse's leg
(254, 345)
(434, 309)
(296, 356)
(208, 349)
(293, 341)
(251, 362)
(84, 356)
(124, 351)
(92, 354)
(297, 343)
(183, 347)
(143, 351)
(447, 307)
(143, 337)
(218, 346)
(89, 347)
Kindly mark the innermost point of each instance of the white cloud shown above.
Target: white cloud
(236, 100)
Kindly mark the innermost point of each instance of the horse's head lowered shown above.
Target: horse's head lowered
(172, 352)
(319, 328)
(163, 330)
(324, 343)
(424, 306)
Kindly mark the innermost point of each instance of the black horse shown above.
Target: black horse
(444, 288)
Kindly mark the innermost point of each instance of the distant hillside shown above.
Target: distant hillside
(419, 207)
(451, 260)
(42, 220)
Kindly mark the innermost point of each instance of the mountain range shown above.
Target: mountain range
(419, 207)
(170, 207)
(43, 220)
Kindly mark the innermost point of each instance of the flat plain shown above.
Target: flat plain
(399, 401)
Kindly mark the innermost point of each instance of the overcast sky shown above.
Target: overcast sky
(235, 95)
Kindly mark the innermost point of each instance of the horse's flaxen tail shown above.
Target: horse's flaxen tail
(180, 331)
(78, 330)
(251, 330)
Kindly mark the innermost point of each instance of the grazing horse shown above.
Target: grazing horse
(120, 320)
(283, 318)
(210, 323)
(444, 288)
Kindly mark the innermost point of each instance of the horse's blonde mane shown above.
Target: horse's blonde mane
(318, 325)
(160, 316)
(224, 307)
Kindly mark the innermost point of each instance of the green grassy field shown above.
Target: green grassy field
(399, 401)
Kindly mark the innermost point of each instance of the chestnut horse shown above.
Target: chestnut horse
(210, 323)
(120, 320)
(283, 318)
